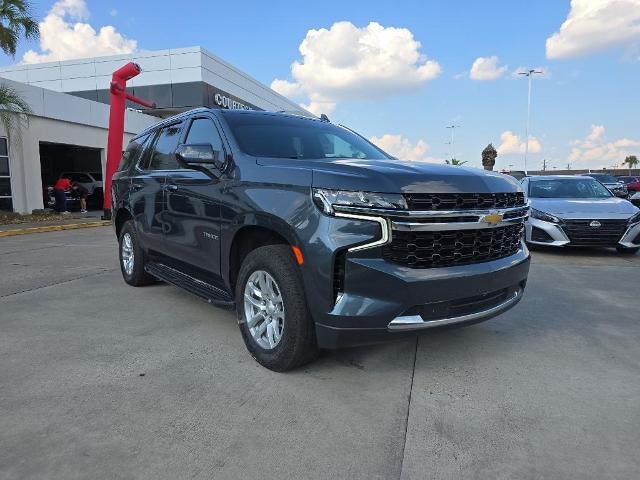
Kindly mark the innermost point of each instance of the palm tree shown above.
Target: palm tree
(454, 161)
(632, 161)
(12, 108)
(15, 22)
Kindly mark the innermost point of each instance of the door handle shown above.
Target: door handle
(171, 187)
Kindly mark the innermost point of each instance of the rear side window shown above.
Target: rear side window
(163, 155)
(203, 130)
(132, 153)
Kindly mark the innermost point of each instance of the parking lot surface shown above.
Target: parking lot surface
(102, 380)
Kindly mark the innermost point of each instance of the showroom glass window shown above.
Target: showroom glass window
(163, 157)
(6, 202)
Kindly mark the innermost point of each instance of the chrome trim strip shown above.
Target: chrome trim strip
(384, 227)
(415, 322)
(426, 213)
(426, 226)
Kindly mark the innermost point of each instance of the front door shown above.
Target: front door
(192, 209)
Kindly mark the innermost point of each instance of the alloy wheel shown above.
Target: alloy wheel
(127, 254)
(264, 309)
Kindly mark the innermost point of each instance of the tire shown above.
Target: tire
(627, 250)
(128, 243)
(297, 343)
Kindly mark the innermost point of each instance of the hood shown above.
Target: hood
(398, 176)
(585, 208)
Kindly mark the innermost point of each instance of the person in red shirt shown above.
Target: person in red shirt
(61, 185)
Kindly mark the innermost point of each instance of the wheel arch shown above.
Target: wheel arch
(255, 232)
(121, 216)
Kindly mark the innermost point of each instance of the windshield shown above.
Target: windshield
(605, 178)
(566, 188)
(300, 138)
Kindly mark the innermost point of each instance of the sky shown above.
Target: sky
(401, 72)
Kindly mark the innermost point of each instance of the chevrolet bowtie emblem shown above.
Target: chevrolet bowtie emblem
(493, 218)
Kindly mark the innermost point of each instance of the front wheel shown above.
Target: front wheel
(628, 250)
(132, 257)
(273, 315)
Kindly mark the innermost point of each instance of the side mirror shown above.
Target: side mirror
(198, 155)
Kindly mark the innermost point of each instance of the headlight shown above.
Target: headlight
(543, 216)
(634, 219)
(326, 199)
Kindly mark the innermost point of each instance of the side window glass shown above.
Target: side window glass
(132, 153)
(163, 157)
(203, 130)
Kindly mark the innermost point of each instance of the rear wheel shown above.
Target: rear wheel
(132, 257)
(627, 250)
(273, 315)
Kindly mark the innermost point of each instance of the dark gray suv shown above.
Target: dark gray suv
(314, 235)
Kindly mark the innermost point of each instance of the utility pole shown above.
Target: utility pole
(452, 151)
(529, 73)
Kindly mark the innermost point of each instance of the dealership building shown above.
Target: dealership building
(70, 101)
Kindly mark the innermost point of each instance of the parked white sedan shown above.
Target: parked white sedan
(579, 211)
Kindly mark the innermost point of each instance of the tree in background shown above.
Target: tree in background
(632, 161)
(454, 161)
(16, 21)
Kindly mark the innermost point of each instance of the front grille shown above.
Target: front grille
(462, 306)
(463, 201)
(581, 233)
(428, 249)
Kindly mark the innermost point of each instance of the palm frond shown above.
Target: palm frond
(16, 20)
(14, 110)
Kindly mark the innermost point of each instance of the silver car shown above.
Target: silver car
(579, 211)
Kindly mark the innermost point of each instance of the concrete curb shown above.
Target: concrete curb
(53, 228)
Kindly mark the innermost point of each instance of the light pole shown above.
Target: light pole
(529, 73)
(452, 143)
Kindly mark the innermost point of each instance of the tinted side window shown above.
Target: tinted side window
(163, 157)
(203, 130)
(132, 153)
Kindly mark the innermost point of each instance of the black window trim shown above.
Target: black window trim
(8, 176)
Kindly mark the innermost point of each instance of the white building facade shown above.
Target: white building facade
(70, 101)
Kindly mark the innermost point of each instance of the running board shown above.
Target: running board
(210, 293)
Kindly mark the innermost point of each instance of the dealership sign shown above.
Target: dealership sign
(224, 101)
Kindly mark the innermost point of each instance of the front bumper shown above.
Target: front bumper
(556, 236)
(384, 301)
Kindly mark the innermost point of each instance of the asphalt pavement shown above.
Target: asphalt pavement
(102, 380)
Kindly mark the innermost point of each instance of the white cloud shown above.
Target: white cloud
(511, 143)
(594, 151)
(345, 62)
(594, 25)
(64, 35)
(403, 148)
(486, 68)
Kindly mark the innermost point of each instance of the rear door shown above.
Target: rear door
(192, 215)
(147, 197)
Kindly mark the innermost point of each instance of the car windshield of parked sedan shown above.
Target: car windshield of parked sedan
(279, 136)
(604, 178)
(567, 188)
